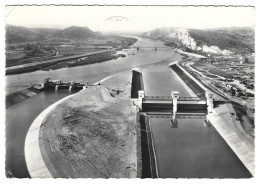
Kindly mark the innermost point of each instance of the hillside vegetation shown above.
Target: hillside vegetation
(220, 41)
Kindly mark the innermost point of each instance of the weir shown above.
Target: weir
(174, 106)
(59, 85)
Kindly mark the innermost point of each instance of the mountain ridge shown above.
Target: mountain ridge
(18, 34)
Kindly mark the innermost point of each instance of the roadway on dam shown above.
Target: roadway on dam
(193, 150)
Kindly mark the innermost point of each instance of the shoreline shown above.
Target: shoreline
(19, 96)
(58, 63)
(19, 69)
(189, 54)
(33, 156)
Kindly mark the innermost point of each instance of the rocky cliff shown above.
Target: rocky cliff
(218, 41)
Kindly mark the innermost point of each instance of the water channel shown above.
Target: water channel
(192, 150)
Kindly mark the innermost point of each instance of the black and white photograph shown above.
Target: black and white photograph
(129, 91)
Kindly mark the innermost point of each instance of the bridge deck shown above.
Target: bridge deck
(178, 115)
(168, 107)
(169, 98)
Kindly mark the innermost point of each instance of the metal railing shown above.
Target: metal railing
(159, 98)
(169, 98)
(188, 99)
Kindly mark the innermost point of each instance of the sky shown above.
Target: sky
(130, 18)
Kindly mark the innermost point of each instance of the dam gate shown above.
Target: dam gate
(175, 107)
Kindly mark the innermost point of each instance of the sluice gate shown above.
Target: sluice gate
(59, 85)
(175, 107)
(168, 107)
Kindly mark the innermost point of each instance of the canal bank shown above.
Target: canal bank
(197, 149)
(228, 126)
(33, 155)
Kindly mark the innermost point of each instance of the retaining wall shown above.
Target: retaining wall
(137, 83)
(197, 89)
(149, 164)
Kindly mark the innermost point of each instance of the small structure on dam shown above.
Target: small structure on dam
(174, 106)
(58, 84)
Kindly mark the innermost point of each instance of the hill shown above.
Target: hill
(18, 34)
(77, 32)
(221, 41)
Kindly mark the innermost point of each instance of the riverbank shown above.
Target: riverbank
(92, 138)
(83, 59)
(189, 54)
(19, 96)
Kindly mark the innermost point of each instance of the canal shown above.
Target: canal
(191, 150)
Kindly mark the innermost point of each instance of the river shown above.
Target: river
(172, 148)
(18, 121)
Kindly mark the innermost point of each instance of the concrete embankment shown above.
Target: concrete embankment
(36, 165)
(148, 157)
(19, 96)
(91, 135)
(232, 132)
(225, 125)
(191, 83)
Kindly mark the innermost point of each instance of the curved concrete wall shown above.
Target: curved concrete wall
(34, 161)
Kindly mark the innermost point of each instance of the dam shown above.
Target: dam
(193, 149)
(58, 84)
(189, 147)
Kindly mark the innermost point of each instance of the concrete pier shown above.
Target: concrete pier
(56, 88)
(140, 99)
(209, 97)
(175, 95)
(70, 88)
